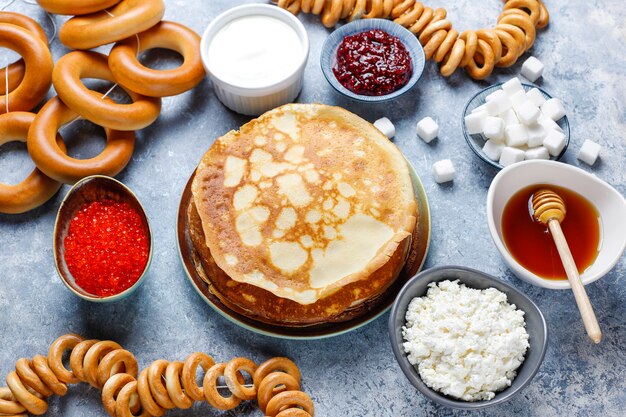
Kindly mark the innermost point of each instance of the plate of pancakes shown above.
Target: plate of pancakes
(305, 223)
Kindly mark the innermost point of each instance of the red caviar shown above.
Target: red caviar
(106, 247)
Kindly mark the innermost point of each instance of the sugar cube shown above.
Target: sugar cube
(475, 122)
(537, 153)
(427, 129)
(536, 135)
(495, 95)
(509, 117)
(548, 124)
(516, 135)
(517, 99)
(443, 171)
(494, 128)
(511, 155)
(553, 108)
(493, 149)
(512, 86)
(527, 112)
(536, 96)
(498, 104)
(532, 69)
(384, 125)
(589, 152)
(482, 107)
(554, 142)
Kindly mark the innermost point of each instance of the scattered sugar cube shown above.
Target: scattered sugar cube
(537, 153)
(512, 86)
(536, 97)
(384, 125)
(427, 129)
(536, 135)
(517, 99)
(532, 69)
(527, 112)
(553, 109)
(548, 124)
(509, 117)
(498, 104)
(589, 152)
(443, 171)
(475, 122)
(494, 128)
(493, 149)
(554, 142)
(511, 155)
(482, 107)
(516, 135)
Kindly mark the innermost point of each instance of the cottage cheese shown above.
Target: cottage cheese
(465, 343)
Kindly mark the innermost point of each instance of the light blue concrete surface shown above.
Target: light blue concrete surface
(354, 374)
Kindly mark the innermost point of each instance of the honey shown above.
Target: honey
(530, 242)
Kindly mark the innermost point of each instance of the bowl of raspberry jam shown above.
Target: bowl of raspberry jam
(372, 60)
(102, 240)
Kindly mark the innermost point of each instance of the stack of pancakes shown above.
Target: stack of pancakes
(304, 216)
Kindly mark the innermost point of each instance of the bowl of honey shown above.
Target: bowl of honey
(594, 223)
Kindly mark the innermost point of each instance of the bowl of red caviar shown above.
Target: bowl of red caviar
(102, 240)
(372, 60)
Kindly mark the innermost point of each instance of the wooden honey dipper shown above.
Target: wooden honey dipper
(549, 209)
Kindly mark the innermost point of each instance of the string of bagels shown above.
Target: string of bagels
(478, 51)
(163, 385)
(133, 26)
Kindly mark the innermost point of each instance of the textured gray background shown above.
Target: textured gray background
(354, 374)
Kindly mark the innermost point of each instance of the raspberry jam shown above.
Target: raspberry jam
(106, 247)
(373, 63)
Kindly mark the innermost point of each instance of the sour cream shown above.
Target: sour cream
(255, 51)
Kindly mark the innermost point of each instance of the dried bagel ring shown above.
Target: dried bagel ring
(73, 7)
(511, 48)
(38, 67)
(488, 57)
(16, 69)
(522, 21)
(530, 7)
(67, 76)
(53, 161)
(120, 22)
(544, 16)
(471, 44)
(130, 73)
(453, 60)
(37, 188)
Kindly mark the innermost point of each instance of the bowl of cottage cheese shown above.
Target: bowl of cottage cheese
(466, 339)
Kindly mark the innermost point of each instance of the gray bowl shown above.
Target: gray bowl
(328, 56)
(535, 326)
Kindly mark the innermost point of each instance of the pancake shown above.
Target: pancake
(303, 216)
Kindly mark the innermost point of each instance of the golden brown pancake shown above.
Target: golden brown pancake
(302, 215)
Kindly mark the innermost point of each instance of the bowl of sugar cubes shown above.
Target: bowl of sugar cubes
(512, 122)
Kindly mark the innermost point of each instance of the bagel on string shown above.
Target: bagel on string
(435, 32)
(53, 160)
(75, 7)
(37, 188)
(67, 75)
(38, 65)
(16, 69)
(125, 19)
(131, 74)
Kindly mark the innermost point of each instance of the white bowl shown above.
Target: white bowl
(609, 202)
(253, 101)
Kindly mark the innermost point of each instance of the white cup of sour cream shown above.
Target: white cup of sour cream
(255, 57)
